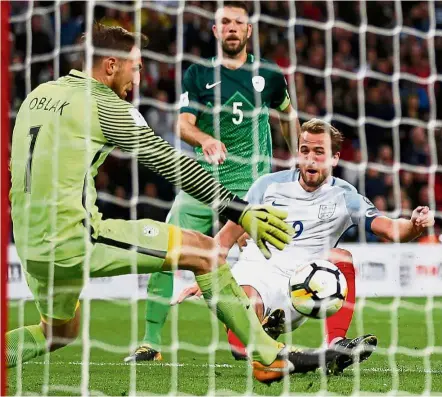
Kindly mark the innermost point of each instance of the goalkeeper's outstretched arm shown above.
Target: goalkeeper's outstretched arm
(123, 126)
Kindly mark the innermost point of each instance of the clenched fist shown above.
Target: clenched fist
(214, 151)
(422, 217)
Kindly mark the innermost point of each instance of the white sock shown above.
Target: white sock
(337, 339)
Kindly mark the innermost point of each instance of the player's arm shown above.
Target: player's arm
(123, 126)
(361, 209)
(290, 127)
(403, 230)
(229, 235)
(289, 123)
(213, 149)
(190, 105)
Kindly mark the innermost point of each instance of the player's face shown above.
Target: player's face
(315, 159)
(232, 29)
(127, 74)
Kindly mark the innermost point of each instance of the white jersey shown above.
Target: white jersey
(320, 218)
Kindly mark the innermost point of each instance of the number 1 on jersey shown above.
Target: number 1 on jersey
(33, 132)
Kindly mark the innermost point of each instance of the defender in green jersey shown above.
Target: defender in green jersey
(64, 131)
(234, 144)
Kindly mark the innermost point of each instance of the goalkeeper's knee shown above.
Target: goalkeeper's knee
(61, 333)
(199, 253)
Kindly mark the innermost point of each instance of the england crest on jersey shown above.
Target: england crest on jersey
(258, 83)
(326, 211)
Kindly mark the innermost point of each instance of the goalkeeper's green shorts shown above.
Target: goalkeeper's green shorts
(123, 247)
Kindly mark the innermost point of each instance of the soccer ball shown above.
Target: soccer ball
(318, 289)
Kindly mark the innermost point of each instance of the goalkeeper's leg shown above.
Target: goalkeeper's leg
(160, 247)
(59, 326)
(167, 248)
(236, 346)
(271, 360)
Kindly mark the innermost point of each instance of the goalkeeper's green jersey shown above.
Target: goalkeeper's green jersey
(63, 132)
(245, 97)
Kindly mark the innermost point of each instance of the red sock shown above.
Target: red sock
(235, 344)
(338, 324)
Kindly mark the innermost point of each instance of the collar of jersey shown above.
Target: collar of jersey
(250, 59)
(83, 75)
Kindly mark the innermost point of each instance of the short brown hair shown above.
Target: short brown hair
(237, 4)
(316, 126)
(113, 38)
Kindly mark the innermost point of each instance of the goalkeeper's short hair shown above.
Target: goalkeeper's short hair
(113, 38)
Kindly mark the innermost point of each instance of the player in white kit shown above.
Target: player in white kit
(321, 209)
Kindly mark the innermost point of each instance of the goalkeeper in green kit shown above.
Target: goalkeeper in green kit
(64, 130)
(236, 153)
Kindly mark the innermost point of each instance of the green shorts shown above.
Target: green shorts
(189, 213)
(122, 247)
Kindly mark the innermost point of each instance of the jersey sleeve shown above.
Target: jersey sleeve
(361, 209)
(280, 98)
(189, 99)
(124, 127)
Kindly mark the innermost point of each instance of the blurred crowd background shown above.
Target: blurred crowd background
(418, 56)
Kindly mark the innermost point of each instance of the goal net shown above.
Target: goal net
(372, 69)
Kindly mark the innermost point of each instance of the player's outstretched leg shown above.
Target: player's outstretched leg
(187, 213)
(273, 324)
(271, 360)
(236, 346)
(35, 339)
(160, 288)
(337, 325)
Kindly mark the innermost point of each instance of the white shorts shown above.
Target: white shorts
(273, 287)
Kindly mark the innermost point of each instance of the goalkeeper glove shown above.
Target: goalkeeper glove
(265, 224)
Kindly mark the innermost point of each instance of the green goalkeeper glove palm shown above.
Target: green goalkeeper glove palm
(265, 224)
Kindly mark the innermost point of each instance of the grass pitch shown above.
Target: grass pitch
(408, 359)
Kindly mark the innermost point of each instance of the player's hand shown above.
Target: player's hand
(242, 241)
(193, 290)
(214, 151)
(422, 217)
(265, 224)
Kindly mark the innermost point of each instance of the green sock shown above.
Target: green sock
(161, 288)
(34, 344)
(235, 311)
